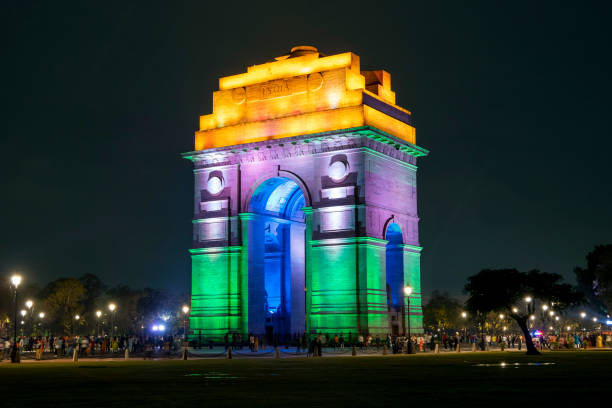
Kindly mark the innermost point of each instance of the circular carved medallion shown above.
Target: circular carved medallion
(315, 81)
(337, 170)
(238, 95)
(214, 185)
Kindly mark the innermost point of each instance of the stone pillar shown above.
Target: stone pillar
(215, 308)
(412, 277)
(252, 277)
(308, 266)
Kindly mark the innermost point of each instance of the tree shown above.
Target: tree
(126, 318)
(516, 294)
(596, 280)
(63, 301)
(441, 311)
(94, 288)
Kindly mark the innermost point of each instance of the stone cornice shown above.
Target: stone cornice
(362, 137)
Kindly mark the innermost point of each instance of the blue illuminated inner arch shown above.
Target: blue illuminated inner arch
(395, 265)
(394, 234)
(279, 201)
(278, 197)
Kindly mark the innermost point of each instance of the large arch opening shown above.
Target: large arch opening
(394, 255)
(276, 259)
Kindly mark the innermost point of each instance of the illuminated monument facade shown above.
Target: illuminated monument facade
(305, 203)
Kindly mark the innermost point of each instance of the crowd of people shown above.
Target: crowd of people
(85, 346)
(60, 346)
(420, 342)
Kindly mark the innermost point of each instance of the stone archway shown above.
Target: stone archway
(276, 252)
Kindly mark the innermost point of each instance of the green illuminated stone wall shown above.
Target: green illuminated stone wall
(215, 300)
(412, 275)
(333, 290)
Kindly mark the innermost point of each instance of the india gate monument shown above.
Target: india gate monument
(305, 205)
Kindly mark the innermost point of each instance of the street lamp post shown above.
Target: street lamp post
(15, 357)
(185, 312)
(23, 313)
(112, 307)
(29, 305)
(464, 316)
(98, 314)
(76, 318)
(408, 292)
(42, 316)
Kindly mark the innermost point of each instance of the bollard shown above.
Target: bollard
(458, 348)
(486, 346)
(37, 354)
(354, 352)
(127, 354)
(384, 349)
(437, 349)
(473, 347)
(184, 353)
(75, 356)
(229, 353)
(276, 353)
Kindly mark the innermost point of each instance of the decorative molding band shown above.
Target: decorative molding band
(349, 241)
(360, 137)
(215, 250)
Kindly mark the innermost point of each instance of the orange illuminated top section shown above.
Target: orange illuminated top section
(301, 93)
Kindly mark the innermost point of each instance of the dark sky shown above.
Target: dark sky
(100, 99)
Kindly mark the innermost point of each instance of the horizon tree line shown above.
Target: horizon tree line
(68, 306)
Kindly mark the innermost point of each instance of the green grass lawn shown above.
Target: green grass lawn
(428, 380)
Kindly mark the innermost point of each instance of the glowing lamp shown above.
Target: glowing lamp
(532, 317)
(501, 316)
(514, 310)
(162, 327)
(155, 327)
(594, 319)
(185, 309)
(29, 304)
(112, 307)
(407, 290)
(41, 315)
(528, 299)
(77, 317)
(582, 314)
(463, 314)
(98, 313)
(15, 280)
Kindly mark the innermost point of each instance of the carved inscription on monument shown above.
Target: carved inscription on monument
(276, 88)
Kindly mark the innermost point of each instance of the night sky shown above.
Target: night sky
(512, 99)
